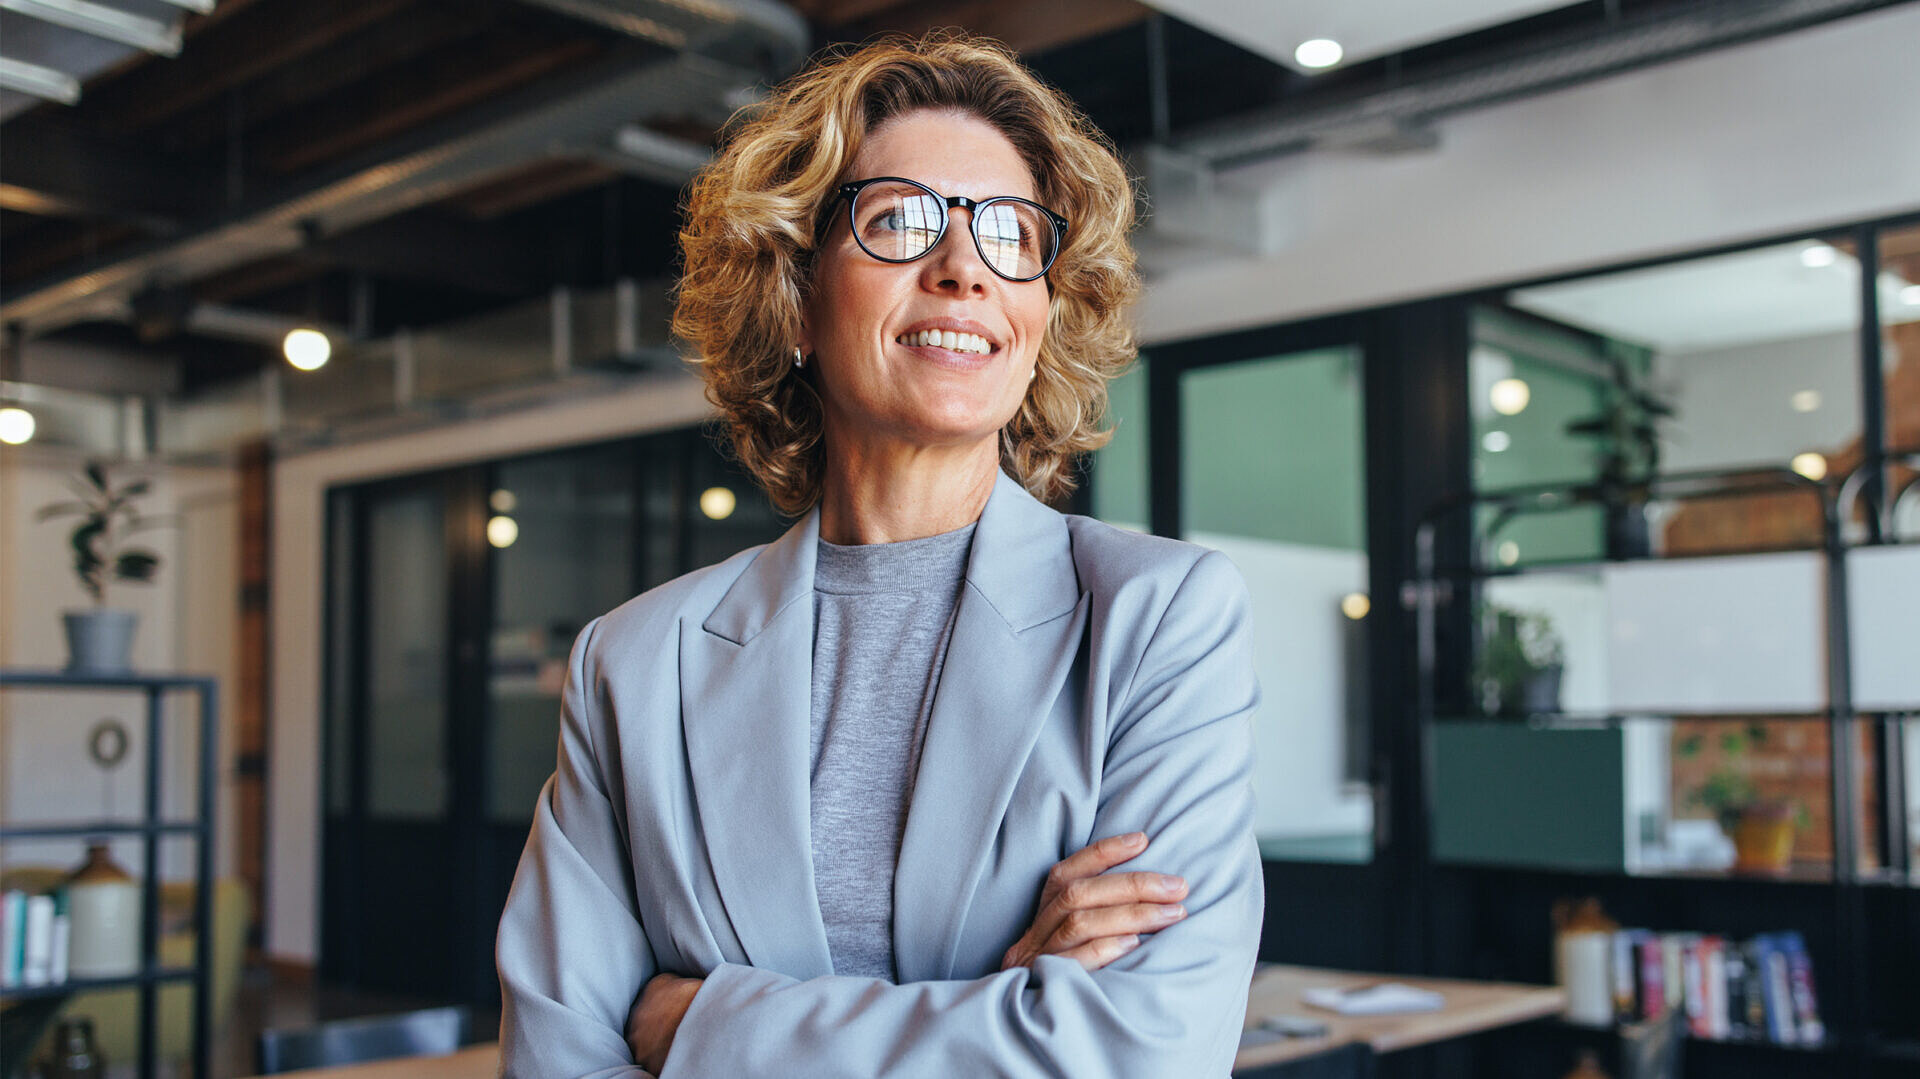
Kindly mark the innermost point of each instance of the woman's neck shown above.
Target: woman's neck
(874, 495)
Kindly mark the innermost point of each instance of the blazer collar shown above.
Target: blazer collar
(1021, 562)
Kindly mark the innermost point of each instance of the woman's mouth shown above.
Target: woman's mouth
(965, 343)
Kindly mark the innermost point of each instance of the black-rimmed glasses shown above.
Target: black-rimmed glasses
(898, 220)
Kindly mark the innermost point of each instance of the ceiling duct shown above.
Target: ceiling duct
(1195, 212)
(1396, 118)
(587, 112)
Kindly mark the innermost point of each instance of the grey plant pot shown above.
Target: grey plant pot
(100, 640)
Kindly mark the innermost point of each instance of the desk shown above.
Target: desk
(1471, 1007)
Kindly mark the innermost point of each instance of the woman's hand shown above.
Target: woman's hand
(656, 1017)
(1095, 918)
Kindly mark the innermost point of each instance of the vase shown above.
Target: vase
(100, 640)
(103, 901)
(1763, 840)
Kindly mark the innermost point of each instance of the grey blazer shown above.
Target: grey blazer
(1097, 682)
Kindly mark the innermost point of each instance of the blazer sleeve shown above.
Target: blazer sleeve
(1178, 768)
(570, 953)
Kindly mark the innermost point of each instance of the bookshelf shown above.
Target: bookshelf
(1493, 913)
(150, 827)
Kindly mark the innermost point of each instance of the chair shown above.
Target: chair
(427, 1032)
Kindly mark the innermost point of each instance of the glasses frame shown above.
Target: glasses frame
(851, 191)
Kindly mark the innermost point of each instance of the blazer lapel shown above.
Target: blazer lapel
(745, 682)
(1018, 626)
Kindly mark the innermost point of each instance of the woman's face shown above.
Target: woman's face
(878, 383)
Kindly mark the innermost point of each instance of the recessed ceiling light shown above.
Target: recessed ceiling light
(1355, 605)
(503, 501)
(1815, 256)
(1318, 53)
(1496, 441)
(1508, 552)
(1811, 465)
(1805, 401)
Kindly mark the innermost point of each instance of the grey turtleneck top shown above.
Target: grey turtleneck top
(882, 616)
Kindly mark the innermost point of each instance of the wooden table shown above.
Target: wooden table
(473, 1062)
(1470, 1007)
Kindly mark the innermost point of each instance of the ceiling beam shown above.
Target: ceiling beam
(52, 168)
(229, 53)
(1024, 26)
(445, 84)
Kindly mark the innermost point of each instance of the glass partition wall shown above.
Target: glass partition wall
(454, 601)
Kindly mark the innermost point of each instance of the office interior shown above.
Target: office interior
(1550, 371)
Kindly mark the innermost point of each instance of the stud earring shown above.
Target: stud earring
(799, 360)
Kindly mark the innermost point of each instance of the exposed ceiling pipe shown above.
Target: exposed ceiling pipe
(102, 21)
(1402, 114)
(45, 83)
(434, 164)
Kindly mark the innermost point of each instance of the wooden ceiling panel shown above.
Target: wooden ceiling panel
(1025, 27)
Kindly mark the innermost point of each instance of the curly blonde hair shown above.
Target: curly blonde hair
(753, 219)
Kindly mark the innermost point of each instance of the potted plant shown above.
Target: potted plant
(1520, 662)
(1762, 828)
(100, 638)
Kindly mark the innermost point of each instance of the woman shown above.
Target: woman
(844, 804)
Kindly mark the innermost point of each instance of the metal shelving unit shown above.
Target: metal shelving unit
(151, 826)
(1434, 586)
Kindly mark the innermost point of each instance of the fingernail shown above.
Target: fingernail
(1134, 839)
(1173, 913)
(1171, 885)
(1129, 942)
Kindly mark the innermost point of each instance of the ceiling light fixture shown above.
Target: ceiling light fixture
(718, 503)
(16, 425)
(1814, 256)
(1811, 465)
(1319, 53)
(1496, 441)
(1508, 553)
(502, 501)
(1805, 401)
(1355, 605)
(502, 531)
(307, 349)
(1510, 396)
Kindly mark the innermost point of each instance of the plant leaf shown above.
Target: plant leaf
(133, 490)
(136, 565)
(97, 475)
(60, 509)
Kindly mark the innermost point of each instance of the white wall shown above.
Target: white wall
(1812, 128)
(300, 484)
(1298, 655)
(188, 618)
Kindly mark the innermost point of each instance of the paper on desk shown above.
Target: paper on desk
(1383, 998)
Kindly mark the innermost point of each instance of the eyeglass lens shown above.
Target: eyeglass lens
(898, 221)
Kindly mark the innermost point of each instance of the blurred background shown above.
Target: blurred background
(1551, 371)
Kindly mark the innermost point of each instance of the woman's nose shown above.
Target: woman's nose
(955, 262)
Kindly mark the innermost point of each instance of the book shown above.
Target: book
(1626, 974)
(37, 950)
(1806, 1010)
(1654, 1001)
(1713, 962)
(13, 932)
(1694, 976)
(1776, 992)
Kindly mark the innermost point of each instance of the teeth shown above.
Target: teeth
(947, 339)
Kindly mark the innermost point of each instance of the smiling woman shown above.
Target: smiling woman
(850, 803)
